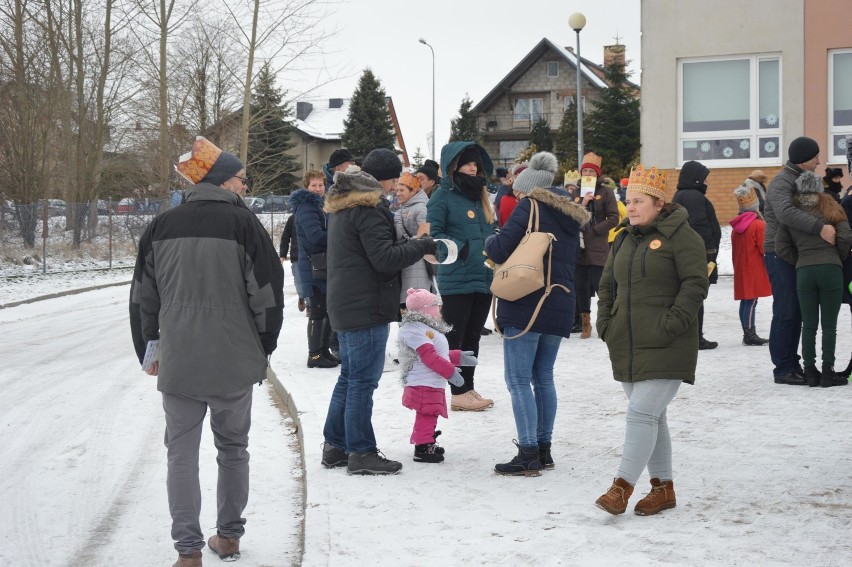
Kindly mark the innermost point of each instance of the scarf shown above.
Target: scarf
(470, 185)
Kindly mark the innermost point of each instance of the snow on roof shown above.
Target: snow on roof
(571, 57)
(323, 122)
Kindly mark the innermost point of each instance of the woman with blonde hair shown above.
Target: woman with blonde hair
(460, 211)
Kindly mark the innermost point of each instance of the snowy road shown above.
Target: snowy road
(82, 478)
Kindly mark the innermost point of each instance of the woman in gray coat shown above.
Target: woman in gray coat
(407, 220)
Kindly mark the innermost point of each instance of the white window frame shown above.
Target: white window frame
(531, 115)
(754, 133)
(547, 69)
(834, 158)
(568, 99)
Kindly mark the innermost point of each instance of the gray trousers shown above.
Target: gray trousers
(646, 438)
(230, 420)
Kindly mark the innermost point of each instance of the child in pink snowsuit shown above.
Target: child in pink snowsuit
(427, 363)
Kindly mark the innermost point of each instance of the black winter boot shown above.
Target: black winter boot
(813, 376)
(704, 344)
(326, 349)
(544, 457)
(428, 453)
(315, 352)
(526, 463)
(831, 378)
(750, 338)
(848, 369)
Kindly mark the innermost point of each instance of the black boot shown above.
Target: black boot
(813, 376)
(428, 453)
(327, 335)
(831, 378)
(544, 457)
(526, 463)
(315, 353)
(848, 369)
(750, 338)
(704, 344)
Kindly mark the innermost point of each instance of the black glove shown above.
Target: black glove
(431, 245)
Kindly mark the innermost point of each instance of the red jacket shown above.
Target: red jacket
(750, 278)
(507, 205)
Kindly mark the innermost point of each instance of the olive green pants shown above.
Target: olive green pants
(820, 290)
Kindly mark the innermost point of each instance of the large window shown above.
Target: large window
(730, 110)
(528, 109)
(510, 150)
(840, 103)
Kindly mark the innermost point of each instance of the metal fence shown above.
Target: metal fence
(54, 236)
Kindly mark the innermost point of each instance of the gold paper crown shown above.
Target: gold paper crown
(592, 158)
(571, 177)
(195, 164)
(648, 181)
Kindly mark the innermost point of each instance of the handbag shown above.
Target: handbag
(318, 266)
(523, 272)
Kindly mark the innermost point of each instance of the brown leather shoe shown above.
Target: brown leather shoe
(469, 402)
(228, 548)
(586, 319)
(188, 560)
(661, 497)
(615, 499)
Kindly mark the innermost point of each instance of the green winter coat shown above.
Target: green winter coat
(653, 284)
(453, 216)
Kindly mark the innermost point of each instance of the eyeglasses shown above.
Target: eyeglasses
(244, 180)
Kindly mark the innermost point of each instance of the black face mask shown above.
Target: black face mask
(470, 185)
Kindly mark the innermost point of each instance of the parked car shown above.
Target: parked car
(276, 203)
(126, 207)
(55, 207)
(255, 204)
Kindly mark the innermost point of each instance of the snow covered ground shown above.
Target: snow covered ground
(762, 471)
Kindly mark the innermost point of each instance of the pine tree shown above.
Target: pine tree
(270, 167)
(417, 159)
(566, 138)
(614, 123)
(464, 127)
(368, 125)
(540, 135)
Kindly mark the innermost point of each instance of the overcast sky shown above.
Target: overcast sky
(476, 43)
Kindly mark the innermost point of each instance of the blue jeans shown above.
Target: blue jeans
(786, 326)
(349, 425)
(747, 310)
(528, 369)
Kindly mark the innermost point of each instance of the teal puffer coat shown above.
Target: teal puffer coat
(454, 216)
(653, 284)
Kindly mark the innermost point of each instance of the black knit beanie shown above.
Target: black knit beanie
(803, 149)
(383, 164)
(468, 155)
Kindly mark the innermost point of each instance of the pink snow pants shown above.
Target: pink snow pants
(429, 403)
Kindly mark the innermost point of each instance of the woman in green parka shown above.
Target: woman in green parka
(653, 284)
(460, 210)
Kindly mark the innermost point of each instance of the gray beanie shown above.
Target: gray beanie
(383, 164)
(539, 173)
(808, 182)
(225, 167)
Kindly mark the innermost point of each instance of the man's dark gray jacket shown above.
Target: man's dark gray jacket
(209, 285)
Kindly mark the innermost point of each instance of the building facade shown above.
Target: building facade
(731, 83)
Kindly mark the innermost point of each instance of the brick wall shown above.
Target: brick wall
(720, 188)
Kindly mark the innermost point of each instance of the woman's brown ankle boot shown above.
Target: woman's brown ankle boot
(661, 497)
(615, 499)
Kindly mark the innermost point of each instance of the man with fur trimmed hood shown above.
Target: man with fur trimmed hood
(364, 262)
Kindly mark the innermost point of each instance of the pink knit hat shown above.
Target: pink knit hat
(421, 301)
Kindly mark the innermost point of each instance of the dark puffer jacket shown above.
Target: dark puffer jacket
(604, 210)
(312, 234)
(562, 218)
(691, 194)
(208, 284)
(652, 286)
(364, 256)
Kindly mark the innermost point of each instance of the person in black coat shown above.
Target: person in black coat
(691, 194)
(289, 246)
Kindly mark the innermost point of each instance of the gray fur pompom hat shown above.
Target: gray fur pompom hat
(540, 172)
(808, 182)
(353, 180)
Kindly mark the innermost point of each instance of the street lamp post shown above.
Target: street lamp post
(577, 21)
(423, 41)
